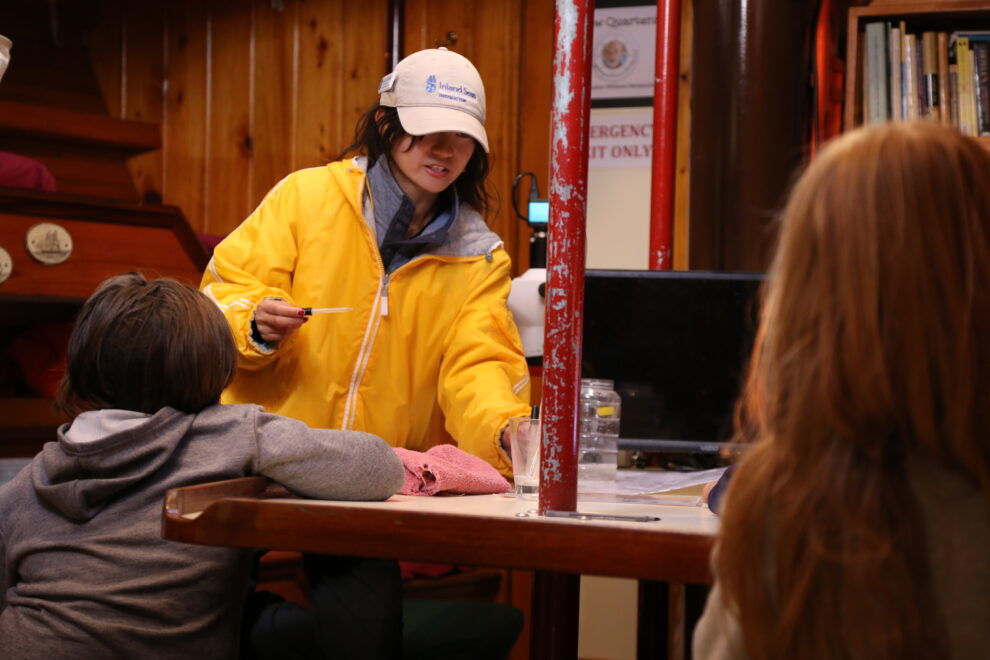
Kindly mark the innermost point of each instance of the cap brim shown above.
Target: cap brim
(423, 120)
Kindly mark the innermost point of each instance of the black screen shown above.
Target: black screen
(676, 343)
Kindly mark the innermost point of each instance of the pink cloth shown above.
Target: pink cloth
(447, 469)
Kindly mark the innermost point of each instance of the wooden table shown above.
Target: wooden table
(483, 530)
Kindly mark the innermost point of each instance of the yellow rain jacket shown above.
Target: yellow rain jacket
(426, 355)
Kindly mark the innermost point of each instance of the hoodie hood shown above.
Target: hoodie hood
(78, 478)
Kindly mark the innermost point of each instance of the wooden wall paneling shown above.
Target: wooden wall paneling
(342, 58)
(415, 25)
(276, 90)
(185, 120)
(228, 134)
(496, 37)
(536, 88)
(321, 41)
(682, 182)
(428, 21)
(106, 47)
(143, 94)
(488, 35)
(364, 61)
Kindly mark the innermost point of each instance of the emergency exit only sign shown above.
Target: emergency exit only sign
(621, 138)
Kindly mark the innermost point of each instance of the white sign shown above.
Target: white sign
(624, 52)
(621, 140)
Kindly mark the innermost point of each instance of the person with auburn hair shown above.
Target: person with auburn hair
(858, 523)
(84, 571)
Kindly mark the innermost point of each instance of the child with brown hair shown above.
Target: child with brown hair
(84, 571)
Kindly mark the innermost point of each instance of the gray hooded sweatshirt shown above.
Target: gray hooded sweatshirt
(84, 572)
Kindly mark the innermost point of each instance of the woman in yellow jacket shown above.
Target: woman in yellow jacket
(424, 350)
(420, 350)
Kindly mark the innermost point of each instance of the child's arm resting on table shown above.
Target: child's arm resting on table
(326, 464)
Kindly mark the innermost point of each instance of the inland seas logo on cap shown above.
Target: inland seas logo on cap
(451, 92)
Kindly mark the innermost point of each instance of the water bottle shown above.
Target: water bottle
(599, 443)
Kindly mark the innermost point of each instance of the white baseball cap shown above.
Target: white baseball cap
(437, 90)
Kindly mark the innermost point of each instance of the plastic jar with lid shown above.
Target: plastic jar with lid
(598, 446)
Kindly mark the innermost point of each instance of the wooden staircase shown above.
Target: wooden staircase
(87, 153)
(52, 111)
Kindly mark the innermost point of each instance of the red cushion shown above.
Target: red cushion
(22, 172)
(40, 353)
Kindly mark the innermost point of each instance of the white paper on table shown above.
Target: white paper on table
(650, 486)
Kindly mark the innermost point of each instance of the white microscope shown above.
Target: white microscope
(527, 295)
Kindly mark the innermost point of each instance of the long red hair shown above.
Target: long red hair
(874, 346)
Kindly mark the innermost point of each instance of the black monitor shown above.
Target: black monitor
(676, 343)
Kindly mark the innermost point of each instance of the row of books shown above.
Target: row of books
(941, 76)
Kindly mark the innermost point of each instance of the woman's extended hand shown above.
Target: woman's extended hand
(277, 319)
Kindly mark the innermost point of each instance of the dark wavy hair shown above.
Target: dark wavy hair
(375, 136)
(142, 345)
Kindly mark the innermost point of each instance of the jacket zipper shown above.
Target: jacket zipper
(378, 310)
(384, 296)
(370, 332)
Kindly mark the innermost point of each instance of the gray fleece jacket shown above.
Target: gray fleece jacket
(84, 572)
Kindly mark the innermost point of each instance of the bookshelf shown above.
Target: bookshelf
(938, 16)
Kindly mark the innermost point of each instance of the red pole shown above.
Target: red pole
(665, 133)
(563, 325)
